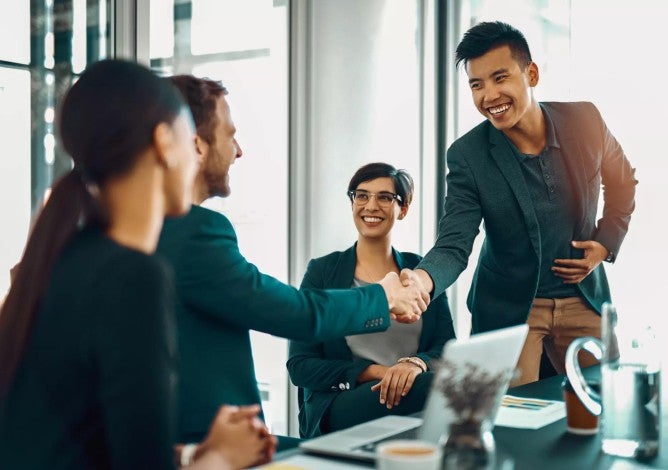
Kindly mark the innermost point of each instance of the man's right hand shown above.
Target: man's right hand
(407, 302)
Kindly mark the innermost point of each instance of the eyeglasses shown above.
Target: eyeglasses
(384, 198)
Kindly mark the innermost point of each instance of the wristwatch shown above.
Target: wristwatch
(610, 258)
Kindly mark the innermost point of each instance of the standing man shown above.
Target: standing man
(222, 296)
(533, 173)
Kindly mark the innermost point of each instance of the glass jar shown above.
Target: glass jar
(469, 445)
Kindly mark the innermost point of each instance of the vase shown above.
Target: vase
(469, 445)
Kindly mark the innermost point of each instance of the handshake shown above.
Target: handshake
(407, 294)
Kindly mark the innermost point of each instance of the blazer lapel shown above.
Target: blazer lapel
(510, 169)
(345, 271)
(398, 258)
(571, 152)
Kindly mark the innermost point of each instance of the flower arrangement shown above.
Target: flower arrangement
(469, 390)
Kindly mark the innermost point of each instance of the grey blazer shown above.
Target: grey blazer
(485, 183)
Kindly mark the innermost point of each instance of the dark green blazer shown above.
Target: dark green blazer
(221, 296)
(485, 183)
(322, 370)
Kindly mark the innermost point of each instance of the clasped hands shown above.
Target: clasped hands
(395, 381)
(237, 439)
(406, 294)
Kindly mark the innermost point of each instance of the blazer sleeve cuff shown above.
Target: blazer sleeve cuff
(427, 360)
(355, 370)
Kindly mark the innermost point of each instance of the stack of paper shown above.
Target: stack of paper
(528, 413)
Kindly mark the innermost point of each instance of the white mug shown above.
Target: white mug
(401, 454)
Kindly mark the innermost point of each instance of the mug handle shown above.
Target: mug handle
(589, 398)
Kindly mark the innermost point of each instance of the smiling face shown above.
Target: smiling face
(372, 220)
(501, 88)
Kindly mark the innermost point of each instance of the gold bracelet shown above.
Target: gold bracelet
(415, 361)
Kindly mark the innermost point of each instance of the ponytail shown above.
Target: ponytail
(69, 207)
(106, 121)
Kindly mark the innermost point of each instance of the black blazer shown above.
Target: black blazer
(485, 183)
(325, 369)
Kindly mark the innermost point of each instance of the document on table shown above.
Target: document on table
(628, 465)
(309, 462)
(528, 413)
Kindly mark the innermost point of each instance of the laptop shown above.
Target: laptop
(495, 352)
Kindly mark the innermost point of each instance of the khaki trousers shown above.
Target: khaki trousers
(553, 324)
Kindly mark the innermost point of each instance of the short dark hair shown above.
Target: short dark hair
(483, 37)
(202, 95)
(403, 183)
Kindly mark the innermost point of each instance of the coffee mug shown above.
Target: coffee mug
(414, 454)
(579, 420)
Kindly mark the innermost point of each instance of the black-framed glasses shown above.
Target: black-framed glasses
(383, 198)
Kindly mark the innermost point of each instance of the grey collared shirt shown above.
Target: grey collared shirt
(384, 348)
(551, 192)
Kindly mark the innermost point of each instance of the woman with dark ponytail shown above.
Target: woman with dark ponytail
(87, 341)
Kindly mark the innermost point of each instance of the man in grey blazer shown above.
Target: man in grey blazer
(533, 173)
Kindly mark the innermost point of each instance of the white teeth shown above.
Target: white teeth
(372, 219)
(499, 109)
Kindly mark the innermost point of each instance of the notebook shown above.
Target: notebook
(494, 352)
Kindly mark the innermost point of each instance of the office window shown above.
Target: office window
(43, 45)
(14, 166)
(15, 32)
(245, 45)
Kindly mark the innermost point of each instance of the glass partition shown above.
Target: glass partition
(14, 166)
(43, 45)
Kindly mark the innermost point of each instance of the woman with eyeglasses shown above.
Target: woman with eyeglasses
(87, 334)
(358, 378)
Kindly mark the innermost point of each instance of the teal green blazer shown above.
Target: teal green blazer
(221, 296)
(485, 183)
(323, 369)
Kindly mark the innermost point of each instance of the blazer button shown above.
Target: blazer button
(347, 386)
(381, 320)
(342, 386)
